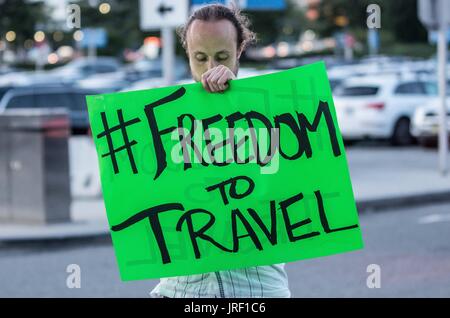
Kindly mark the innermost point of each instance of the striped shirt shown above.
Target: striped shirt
(253, 282)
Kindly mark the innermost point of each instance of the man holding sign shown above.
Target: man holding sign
(214, 38)
(219, 180)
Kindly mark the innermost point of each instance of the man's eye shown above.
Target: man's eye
(201, 59)
(222, 58)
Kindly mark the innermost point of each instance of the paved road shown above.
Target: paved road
(380, 171)
(411, 246)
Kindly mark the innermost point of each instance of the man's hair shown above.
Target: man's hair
(216, 12)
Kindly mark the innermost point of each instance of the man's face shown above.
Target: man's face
(211, 43)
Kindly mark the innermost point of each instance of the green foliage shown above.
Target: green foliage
(399, 22)
(405, 23)
(22, 17)
(398, 17)
(121, 24)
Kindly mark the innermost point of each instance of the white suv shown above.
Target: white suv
(380, 107)
(425, 123)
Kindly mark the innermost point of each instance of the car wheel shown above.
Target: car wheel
(349, 142)
(402, 133)
(428, 142)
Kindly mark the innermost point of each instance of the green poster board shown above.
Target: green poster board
(196, 182)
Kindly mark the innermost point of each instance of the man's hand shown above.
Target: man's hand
(216, 79)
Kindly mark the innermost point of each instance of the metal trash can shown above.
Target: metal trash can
(34, 166)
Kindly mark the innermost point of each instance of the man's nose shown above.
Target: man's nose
(212, 63)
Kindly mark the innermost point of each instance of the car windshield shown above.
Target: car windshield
(40, 100)
(21, 101)
(356, 90)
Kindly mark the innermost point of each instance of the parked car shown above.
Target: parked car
(73, 99)
(4, 89)
(82, 68)
(28, 78)
(5, 69)
(380, 107)
(245, 72)
(148, 69)
(104, 83)
(425, 122)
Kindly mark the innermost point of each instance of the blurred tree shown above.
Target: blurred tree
(121, 23)
(325, 17)
(271, 26)
(266, 25)
(405, 23)
(398, 17)
(22, 17)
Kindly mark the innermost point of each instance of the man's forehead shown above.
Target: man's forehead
(206, 35)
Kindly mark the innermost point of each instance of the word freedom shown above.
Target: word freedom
(297, 125)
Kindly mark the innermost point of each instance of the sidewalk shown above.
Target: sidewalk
(382, 177)
(386, 177)
(88, 220)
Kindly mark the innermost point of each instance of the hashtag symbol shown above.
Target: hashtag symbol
(126, 145)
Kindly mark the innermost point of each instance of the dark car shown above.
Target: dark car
(71, 98)
(3, 90)
(147, 69)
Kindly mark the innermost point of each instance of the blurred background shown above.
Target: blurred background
(383, 68)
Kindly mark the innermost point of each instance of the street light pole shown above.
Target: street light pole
(168, 48)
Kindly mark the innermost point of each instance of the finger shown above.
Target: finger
(205, 84)
(208, 72)
(223, 81)
(205, 81)
(222, 86)
(214, 77)
(224, 78)
(213, 86)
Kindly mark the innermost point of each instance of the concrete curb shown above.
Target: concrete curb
(402, 201)
(12, 233)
